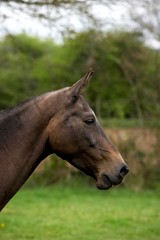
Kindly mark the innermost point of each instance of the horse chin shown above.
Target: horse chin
(103, 182)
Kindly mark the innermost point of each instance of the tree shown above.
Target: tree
(123, 85)
(146, 18)
(120, 60)
(56, 12)
(26, 68)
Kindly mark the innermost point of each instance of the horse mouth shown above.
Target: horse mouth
(104, 182)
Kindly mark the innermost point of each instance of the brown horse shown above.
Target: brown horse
(59, 122)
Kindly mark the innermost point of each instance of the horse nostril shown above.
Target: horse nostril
(124, 170)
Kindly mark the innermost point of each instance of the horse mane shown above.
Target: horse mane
(10, 119)
(11, 110)
(14, 109)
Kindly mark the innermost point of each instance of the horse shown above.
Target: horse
(58, 122)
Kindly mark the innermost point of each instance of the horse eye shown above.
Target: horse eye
(89, 121)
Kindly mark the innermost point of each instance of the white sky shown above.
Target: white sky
(115, 16)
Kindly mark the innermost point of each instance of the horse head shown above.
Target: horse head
(76, 136)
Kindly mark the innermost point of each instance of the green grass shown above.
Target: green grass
(81, 213)
(129, 123)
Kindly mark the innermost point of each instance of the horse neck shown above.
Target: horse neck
(24, 141)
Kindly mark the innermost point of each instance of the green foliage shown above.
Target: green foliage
(120, 60)
(126, 78)
(26, 68)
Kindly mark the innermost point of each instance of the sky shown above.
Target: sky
(112, 17)
(115, 16)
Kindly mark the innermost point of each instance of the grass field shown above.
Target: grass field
(81, 213)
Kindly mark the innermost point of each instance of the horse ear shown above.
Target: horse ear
(80, 85)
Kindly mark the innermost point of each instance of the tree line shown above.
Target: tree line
(126, 81)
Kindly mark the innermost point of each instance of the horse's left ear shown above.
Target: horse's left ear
(79, 86)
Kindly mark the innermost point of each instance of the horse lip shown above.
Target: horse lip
(104, 182)
(118, 181)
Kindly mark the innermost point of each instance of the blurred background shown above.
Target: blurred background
(50, 44)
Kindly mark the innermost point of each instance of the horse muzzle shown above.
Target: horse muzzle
(105, 181)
